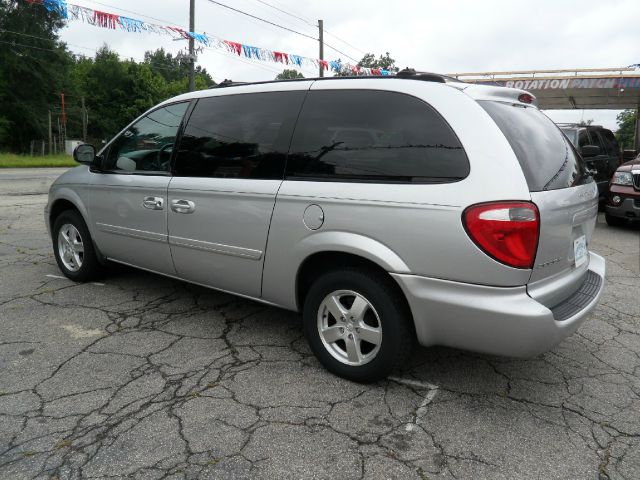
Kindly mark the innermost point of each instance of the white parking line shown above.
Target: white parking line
(414, 383)
(98, 284)
(56, 276)
(432, 390)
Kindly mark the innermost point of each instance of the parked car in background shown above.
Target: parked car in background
(387, 210)
(623, 200)
(599, 147)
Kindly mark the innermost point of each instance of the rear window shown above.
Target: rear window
(548, 160)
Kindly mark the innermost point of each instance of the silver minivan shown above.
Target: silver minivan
(386, 210)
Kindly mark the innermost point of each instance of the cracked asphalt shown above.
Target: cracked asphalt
(140, 376)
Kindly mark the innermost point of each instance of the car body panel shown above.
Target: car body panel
(122, 227)
(222, 243)
(565, 215)
(504, 321)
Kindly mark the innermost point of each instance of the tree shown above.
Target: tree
(34, 68)
(383, 61)
(176, 68)
(626, 128)
(116, 91)
(289, 74)
(370, 61)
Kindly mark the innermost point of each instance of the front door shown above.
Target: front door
(128, 199)
(229, 168)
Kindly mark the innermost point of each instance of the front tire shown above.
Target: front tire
(357, 324)
(73, 247)
(613, 221)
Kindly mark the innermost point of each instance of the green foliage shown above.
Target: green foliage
(35, 69)
(370, 61)
(117, 91)
(175, 69)
(9, 160)
(383, 61)
(289, 74)
(626, 128)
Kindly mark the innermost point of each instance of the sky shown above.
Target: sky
(438, 36)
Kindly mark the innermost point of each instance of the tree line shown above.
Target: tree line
(37, 68)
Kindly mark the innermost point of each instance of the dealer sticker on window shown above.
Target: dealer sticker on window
(580, 250)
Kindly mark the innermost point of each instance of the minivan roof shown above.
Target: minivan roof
(407, 73)
(475, 91)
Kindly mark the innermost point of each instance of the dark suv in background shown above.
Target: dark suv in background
(599, 148)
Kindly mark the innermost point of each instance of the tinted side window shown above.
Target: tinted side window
(609, 143)
(597, 141)
(583, 138)
(239, 136)
(548, 160)
(147, 145)
(375, 136)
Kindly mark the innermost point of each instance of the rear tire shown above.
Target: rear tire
(613, 221)
(73, 247)
(357, 324)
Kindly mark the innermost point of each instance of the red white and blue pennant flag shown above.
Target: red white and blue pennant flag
(98, 18)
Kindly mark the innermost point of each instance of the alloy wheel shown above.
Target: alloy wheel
(70, 247)
(349, 327)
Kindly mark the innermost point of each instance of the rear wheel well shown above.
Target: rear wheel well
(323, 262)
(58, 207)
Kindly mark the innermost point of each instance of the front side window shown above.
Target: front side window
(147, 145)
(239, 136)
(373, 136)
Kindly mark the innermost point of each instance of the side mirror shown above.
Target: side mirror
(84, 154)
(590, 150)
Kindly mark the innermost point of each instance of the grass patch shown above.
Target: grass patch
(10, 160)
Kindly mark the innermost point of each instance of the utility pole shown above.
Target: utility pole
(50, 136)
(192, 55)
(321, 42)
(63, 122)
(85, 120)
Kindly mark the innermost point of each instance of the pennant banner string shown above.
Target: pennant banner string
(113, 21)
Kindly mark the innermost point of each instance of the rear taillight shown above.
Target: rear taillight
(506, 231)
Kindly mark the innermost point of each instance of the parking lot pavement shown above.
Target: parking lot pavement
(147, 377)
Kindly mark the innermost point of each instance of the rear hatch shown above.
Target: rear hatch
(565, 194)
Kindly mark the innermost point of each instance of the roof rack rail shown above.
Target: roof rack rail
(577, 124)
(407, 73)
(229, 83)
(426, 76)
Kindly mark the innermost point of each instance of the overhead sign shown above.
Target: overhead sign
(568, 83)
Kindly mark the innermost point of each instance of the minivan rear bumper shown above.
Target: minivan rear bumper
(495, 320)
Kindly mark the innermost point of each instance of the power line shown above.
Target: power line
(285, 12)
(139, 14)
(30, 46)
(44, 38)
(242, 12)
(307, 22)
(152, 64)
(344, 41)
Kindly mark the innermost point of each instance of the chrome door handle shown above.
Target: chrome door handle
(183, 206)
(153, 203)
